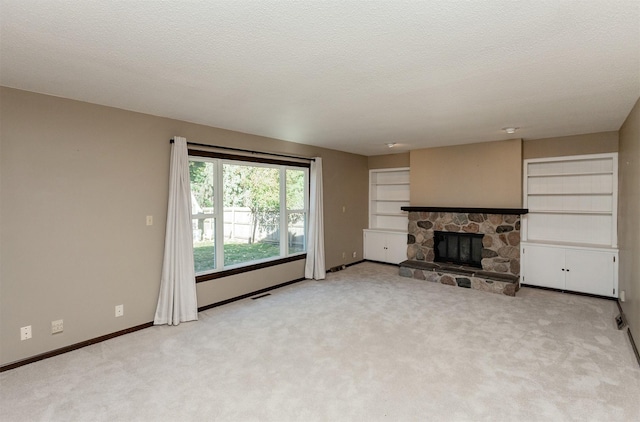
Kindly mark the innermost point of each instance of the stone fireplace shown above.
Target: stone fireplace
(483, 254)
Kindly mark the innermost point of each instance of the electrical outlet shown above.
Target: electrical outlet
(119, 310)
(25, 333)
(57, 326)
(344, 255)
(149, 220)
(355, 254)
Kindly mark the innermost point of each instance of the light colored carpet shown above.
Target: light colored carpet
(363, 345)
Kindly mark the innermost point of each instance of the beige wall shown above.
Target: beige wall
(487, 174)
(77, 181)
(628, 214)
(389, 161)
(589, 143)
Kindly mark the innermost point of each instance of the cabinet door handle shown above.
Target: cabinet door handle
(563, 269)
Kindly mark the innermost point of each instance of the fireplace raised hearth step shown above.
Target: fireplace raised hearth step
(461, 276)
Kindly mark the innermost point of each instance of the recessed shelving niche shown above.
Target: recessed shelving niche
(570, 233)
(388, 192)
(386, 238)
(572, 199)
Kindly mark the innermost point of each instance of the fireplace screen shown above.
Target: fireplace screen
(458, 248)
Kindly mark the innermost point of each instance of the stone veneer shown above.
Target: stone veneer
(501, 240)
(500, 253)
(460, 276)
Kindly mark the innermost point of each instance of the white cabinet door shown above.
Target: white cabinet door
(543, 266)
(375, 244)
(573, 269)
(396, 247)
(590, 272)
(385, 246)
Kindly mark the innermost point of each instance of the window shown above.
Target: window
(257, 211)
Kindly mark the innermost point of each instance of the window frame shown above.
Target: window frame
(219, 159)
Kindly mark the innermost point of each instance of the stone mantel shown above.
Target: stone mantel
(504, 211)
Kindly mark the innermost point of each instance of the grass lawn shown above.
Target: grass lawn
(234, 253)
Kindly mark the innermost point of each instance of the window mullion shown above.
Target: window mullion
(218, 201)
(284, 228)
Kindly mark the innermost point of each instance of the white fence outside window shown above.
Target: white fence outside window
(237, 228)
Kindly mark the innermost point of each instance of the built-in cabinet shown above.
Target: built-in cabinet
(385, 246)
(386, 238)
(569, 236)
(577, 269)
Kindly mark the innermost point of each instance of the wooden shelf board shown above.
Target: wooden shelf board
(595, 173)
(390, 200)
(569, 244)
(386, 230)
(571, 194)
(572, 212)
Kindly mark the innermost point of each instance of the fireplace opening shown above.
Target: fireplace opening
(458, 248)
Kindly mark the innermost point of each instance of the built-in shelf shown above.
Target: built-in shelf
(385, 230)
(569, 237)
(570, 174)
(571, 194)
(386, 238)
(533, 211)
(389, 184)
(569, 244)
(571, 199)
(388, 192)
(391, 200)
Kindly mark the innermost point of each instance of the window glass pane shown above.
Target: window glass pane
(237, 253)
(295, 189)
(251, 196)
(296, 230)
(201, 174)
(204, 250)
(248, 213)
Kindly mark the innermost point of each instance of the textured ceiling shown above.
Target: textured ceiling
(349, 75)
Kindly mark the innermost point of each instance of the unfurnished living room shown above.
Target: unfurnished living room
(319, 210)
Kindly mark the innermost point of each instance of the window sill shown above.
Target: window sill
(239, 270)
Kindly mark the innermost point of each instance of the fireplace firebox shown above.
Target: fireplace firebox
(458, 248)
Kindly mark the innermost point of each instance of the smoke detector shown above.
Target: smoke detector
(510, 130)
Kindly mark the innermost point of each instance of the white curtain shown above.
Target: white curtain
(315, 243)
(177, 300)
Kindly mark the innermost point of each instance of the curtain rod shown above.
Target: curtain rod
(248, 150)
